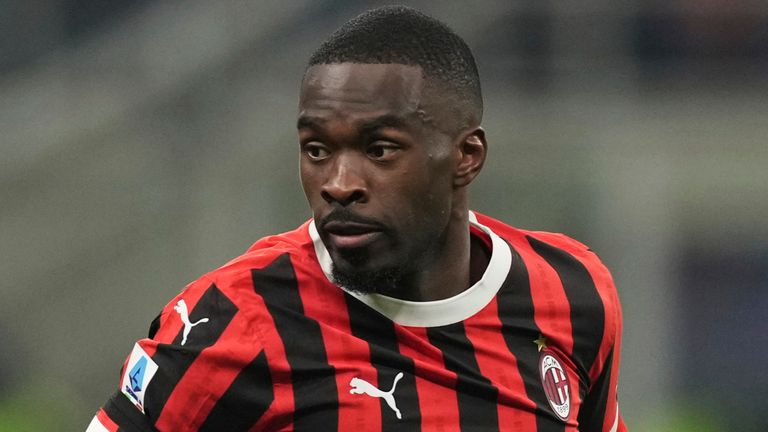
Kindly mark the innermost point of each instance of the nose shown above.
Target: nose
(344, 185)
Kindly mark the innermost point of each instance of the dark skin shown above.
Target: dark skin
(386, 175)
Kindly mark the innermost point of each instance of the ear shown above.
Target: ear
(471, 156)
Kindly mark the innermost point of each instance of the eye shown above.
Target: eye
(382, 150)
(315, 151)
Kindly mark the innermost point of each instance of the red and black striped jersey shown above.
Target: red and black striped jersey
(268, 342)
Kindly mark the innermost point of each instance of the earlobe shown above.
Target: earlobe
(472, 151)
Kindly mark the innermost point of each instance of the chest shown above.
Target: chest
(371, 374)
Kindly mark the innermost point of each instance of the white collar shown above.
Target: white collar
(439, 312)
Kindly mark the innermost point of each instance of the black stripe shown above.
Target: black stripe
(173, 359)
(520, 330)
(127, 416)
(587, 310)
(374, 328)
(154, 327)
(245, 400)
(592, 411)
(314, 383)
(476, 396)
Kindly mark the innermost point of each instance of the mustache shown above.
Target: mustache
(345, 215)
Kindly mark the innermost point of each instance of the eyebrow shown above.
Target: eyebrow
(368, 127)
(309, 122)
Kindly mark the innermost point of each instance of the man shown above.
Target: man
(395, 307)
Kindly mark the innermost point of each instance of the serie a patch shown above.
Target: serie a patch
(137, 375)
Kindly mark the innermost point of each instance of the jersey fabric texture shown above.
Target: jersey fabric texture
(268, 342)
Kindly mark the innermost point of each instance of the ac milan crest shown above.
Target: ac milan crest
(556, 384)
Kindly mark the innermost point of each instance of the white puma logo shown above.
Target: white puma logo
(360, 386)
(181, 308)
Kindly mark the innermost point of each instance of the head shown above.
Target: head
(389, 129)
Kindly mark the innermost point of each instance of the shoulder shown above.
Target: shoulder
(556, 240)
(572, 259)
(230, 288)
(570, 289)
(554, 243)
(294, 248)
(207, 335)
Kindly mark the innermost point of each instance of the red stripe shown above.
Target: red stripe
(210, 375)
(348, 355)
(610, 409)
(435, 384)
(516, 411)
(612, 332)
(549, 387)
(279, 416)
(552, 311)
(105, 421)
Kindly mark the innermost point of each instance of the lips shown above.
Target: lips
(349, 235)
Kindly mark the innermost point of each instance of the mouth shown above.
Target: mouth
(350, 235)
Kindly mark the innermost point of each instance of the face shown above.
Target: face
(377, 171)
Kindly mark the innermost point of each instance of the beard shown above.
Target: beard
(386, 281)
(353, 276)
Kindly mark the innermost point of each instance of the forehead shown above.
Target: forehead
(352, 89)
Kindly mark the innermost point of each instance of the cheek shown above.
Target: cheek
(309, 182)
(429, 197)
(438, 181)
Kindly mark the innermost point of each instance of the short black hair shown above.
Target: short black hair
(402, 35)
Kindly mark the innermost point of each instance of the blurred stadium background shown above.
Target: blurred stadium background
(143, 143)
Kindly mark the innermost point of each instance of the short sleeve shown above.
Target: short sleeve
(201, 368)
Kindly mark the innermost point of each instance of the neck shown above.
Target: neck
(458, 265)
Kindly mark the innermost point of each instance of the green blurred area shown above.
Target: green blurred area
(37, 408)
